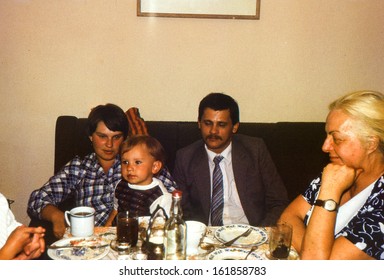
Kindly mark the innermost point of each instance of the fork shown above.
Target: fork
(244, 234)
(250, 251)
(77, 246)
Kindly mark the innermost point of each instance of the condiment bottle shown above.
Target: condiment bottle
(175, 231)
(154, 241)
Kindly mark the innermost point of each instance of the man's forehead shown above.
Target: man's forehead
(211, 113)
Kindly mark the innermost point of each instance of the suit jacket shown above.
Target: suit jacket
(261, 190)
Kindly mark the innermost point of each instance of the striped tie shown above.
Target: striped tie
(217, 194)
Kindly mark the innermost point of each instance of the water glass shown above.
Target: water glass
(280, 239)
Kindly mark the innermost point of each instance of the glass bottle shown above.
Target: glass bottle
(175, 231)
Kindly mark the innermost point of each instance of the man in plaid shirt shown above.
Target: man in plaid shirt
(92, 179)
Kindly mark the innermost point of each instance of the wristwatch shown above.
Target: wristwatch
(328, 204)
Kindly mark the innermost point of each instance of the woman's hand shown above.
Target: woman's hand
(59, 228)
(56, 217)
(336, 179)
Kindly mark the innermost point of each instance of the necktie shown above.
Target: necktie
(217, 194)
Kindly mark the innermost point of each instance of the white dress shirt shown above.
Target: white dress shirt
(233, 212)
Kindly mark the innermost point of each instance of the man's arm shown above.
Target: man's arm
(180, 178)
(276, 197)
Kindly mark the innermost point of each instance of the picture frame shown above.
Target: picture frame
(216, 9)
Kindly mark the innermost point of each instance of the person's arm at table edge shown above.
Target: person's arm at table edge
(54, 215)
(294, 214)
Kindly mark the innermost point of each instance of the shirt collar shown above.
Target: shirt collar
(93, 162)
(226, 153)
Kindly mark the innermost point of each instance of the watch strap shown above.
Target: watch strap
(326, 204)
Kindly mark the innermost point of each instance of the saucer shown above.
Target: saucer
(293, 255)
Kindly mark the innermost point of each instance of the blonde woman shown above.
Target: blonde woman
(341, 214)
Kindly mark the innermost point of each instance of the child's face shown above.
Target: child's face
(138, 166)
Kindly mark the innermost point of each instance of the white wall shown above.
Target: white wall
(64, 57)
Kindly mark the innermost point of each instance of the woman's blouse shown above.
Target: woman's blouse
(86, 181)
(365, 229)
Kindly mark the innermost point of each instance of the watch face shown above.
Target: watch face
(330, 205)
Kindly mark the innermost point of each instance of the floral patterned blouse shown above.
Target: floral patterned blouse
(366, 228)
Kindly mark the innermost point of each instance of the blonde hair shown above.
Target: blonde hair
(367, 108)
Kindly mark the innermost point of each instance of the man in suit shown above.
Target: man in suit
(244, 188)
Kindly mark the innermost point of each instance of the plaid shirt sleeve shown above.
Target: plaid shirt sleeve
(57, 189)
(167, 179)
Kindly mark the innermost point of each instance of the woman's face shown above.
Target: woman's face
(342, 142)
(106, 143)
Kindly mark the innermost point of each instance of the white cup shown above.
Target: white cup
(81, 220)
(195, 232)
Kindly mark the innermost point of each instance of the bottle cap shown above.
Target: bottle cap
(177, 193)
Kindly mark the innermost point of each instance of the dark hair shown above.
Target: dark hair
(153, 145)
(218, 102)
(112, 116)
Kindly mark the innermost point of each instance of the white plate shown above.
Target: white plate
(233, 254)
(89, 254)
(257, 237)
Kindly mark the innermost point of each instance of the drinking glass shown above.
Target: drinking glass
(280, 239)
(127, 231)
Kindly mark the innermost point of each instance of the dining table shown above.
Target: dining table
(211, 245)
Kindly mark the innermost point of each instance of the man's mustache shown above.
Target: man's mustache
(214, 137)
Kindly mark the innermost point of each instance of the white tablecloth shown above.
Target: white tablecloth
(109, 234)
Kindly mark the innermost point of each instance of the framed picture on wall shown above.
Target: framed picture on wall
(224, 9)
